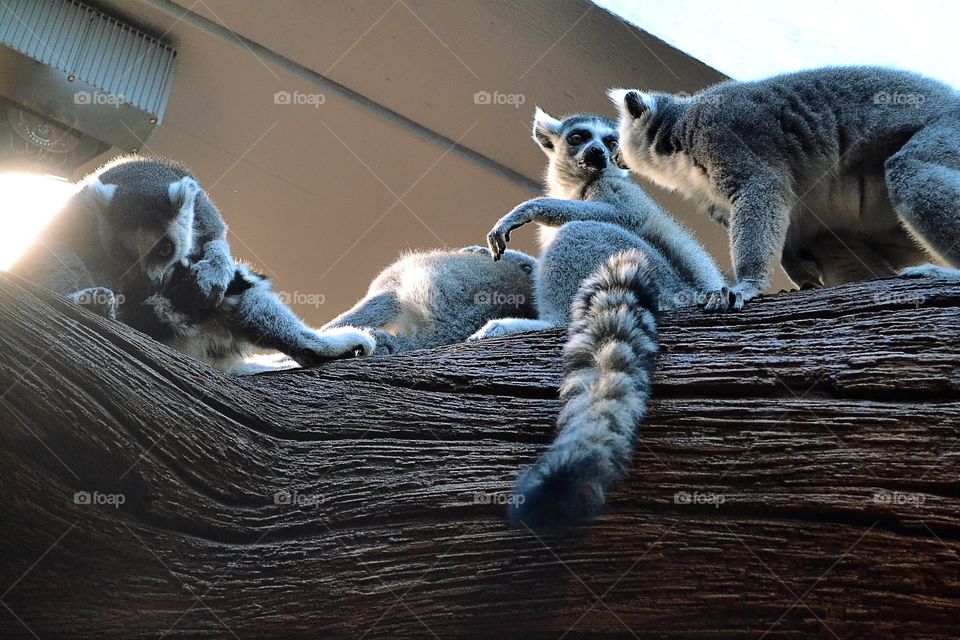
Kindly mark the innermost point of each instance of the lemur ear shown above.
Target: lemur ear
(546, 128)
(98, 195)
(183, 192)
(632, 103)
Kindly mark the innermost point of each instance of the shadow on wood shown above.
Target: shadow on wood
(798, 475)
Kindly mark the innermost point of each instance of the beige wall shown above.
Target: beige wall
(398, 156)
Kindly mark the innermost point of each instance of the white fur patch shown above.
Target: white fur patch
(181, 229)
(508, 326)
(546, 122)
(102, 192)
(340, 340)
(413, 291)
(931, 270)
(618, 98)
(184, 192)
(679, 173)
(258, 363)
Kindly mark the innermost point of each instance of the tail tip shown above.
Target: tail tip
(558, 497)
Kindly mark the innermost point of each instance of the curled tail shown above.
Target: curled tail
(608, 365)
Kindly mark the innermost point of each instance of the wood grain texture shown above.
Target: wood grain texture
(797, 478)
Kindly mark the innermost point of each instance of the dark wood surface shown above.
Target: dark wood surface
(815, 434)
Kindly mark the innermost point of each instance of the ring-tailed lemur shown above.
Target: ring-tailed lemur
(611, 259)
(140, 230)
(434, 298)
(129, 223)
(866, 157)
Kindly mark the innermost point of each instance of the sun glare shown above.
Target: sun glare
(27, 202)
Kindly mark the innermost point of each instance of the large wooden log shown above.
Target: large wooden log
(797, 478)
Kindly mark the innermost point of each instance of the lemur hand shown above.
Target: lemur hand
(341, 342)
(731, 298)
(212, 278)
(499, 236)
(100, 300)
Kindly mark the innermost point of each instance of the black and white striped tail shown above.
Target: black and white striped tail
(608, 363)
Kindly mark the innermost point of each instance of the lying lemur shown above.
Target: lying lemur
(142, 243)
(434, 298)
(611, 259)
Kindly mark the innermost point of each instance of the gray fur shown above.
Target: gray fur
(611, 258)
(251, 315)
(433, 298)
(142, 243)
(842, 173)
(608, 362)
(114, 233)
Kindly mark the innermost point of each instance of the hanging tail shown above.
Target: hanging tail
(608, 364)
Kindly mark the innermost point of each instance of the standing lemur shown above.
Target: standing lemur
(841, 173)
(434, 298)
(611, 258)
(142, 243)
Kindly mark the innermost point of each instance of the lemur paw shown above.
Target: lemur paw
(212, 281)
(499, 236)
(100, 300)
(930, 271)
(731, 298)
(493, 329)
(497, 240)
(475, 249)
(560, 491)
(336, 343)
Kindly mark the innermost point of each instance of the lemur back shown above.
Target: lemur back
(811, 169)
(434, 298)
(611, 260)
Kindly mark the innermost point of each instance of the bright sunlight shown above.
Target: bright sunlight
(27, 202)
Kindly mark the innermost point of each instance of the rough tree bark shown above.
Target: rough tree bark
(815, 435)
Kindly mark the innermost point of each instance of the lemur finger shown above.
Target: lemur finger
(737, 301)
(717, 301)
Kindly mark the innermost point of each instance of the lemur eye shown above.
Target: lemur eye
(610, 142)
(578, 138)
(164, 249)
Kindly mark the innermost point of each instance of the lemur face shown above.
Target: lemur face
(146, 231)
(579, 146)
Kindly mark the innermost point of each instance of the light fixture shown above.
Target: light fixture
(75, 82)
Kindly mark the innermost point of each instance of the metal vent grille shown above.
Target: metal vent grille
(92, 48)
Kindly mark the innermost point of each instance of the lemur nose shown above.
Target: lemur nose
(595, 156)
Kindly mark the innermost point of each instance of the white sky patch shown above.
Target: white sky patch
(752, 39)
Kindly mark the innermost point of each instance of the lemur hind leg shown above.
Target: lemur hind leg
(508, 326)
(923, 180)
(379, 310)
